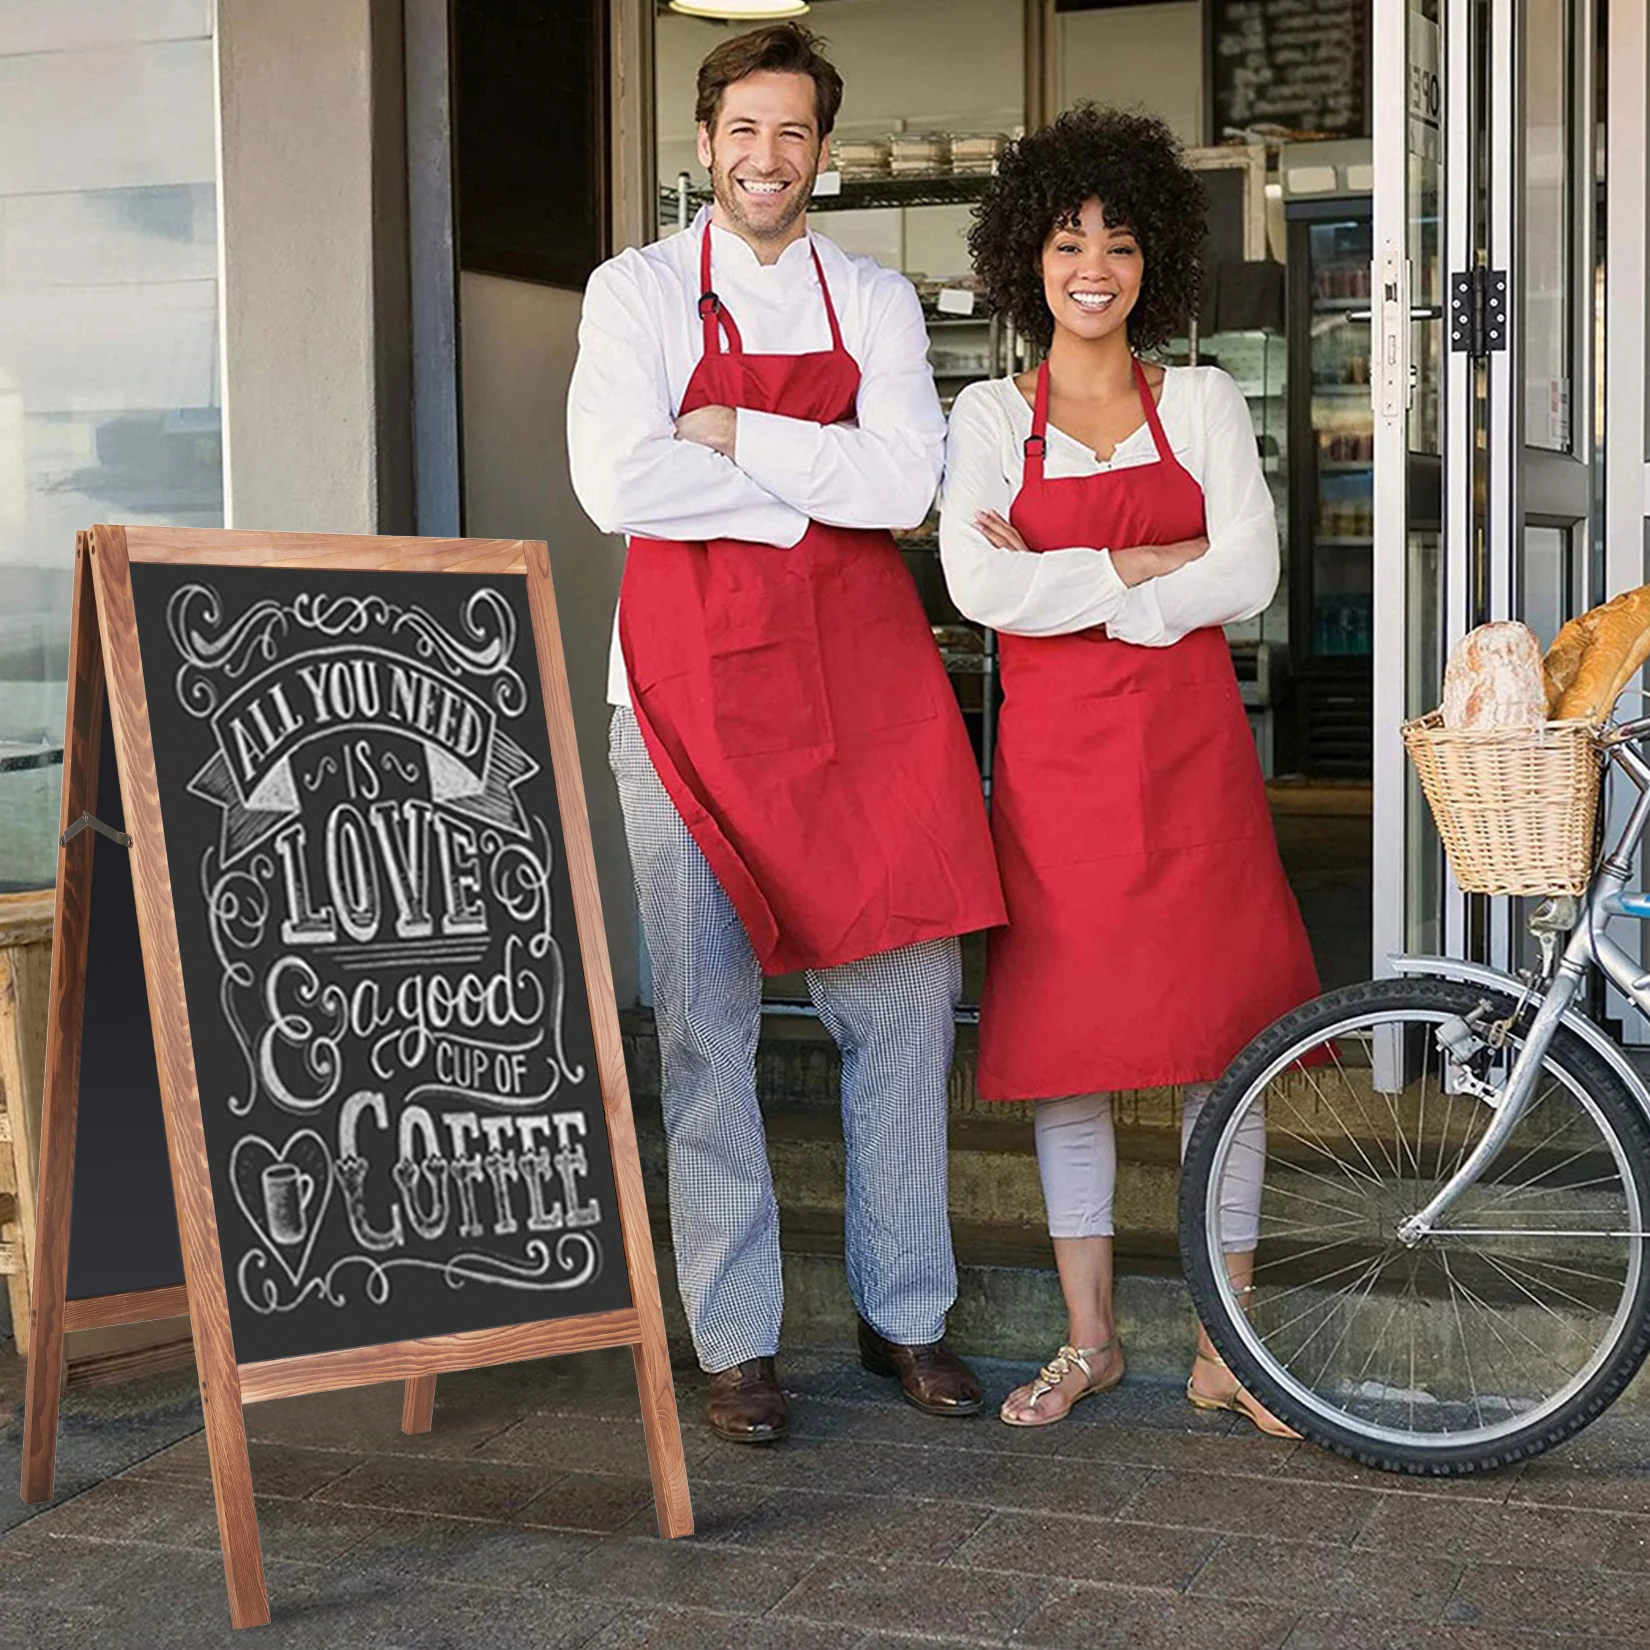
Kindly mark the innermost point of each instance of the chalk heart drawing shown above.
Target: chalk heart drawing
(290, 1188)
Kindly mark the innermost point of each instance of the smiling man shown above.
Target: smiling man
(754, 409)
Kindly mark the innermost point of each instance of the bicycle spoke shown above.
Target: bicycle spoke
(1567, 1324)
(1368, 1266)
(1378, 1341)
(1540, 1145)
(1374, 1174)
(1569, 1271)
(1493, 1320)
(1354, 1178)
(1466, 1356)
(1369, 1288)
(1334, 1054)
(1296, 1259)
(1282, 1189)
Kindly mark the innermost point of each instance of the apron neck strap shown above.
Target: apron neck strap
(717, 321)
(825, 293)
(1148, 403)
(714, 318)
(1037, 442)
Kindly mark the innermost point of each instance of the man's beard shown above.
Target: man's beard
(732, 203)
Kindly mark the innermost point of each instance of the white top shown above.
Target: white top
(1207, 425)
(641, 337)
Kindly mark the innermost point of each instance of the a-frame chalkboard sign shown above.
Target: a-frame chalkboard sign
(389, 1070)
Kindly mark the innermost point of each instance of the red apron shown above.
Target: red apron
(1151, 930)
(796, 709)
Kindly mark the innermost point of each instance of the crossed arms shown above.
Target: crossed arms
(719, 473)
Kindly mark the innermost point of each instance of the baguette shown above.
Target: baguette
(1493, 679)
(1595, 656)
(1564, 659)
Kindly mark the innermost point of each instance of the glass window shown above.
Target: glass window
(109, 382)
(1548, 228)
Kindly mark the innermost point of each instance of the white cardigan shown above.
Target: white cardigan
(1206, 422)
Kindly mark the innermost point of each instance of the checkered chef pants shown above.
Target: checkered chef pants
(891, 1016)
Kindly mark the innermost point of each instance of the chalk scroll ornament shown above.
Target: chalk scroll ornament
(472, 764)
(209, 649)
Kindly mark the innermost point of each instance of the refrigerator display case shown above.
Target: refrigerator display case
(1328, 212)
(1257, 359)
(1240, 328)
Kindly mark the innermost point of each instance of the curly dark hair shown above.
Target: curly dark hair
(1132, 162)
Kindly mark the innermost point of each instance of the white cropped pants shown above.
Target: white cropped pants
(1077, 1155)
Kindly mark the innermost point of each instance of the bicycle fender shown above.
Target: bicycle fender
(1601, 1043)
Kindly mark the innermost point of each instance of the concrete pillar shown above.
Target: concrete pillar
(313, 203)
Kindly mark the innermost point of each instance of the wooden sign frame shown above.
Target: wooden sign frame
(104, 660)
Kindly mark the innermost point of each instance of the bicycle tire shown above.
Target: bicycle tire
(1306, 1027)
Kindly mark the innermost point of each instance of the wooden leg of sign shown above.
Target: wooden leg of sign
(66, 1007)
(418, 1405)
(672, 1505)
(179, 1093)
(243, 1559)
(659, 1421)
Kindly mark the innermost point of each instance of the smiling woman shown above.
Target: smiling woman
(1108, 517)
(1132, 164)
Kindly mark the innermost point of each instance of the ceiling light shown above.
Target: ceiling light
(740, 11)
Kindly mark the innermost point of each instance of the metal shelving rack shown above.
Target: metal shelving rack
(844, 194)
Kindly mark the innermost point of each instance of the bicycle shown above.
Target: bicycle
(1452, 1271)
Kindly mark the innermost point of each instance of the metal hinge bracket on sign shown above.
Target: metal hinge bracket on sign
(1478, 311)
(88, 822)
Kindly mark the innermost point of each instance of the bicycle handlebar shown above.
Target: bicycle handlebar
(1626, 732)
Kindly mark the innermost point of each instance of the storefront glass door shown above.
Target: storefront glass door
(1418, 567)
(1483, 389)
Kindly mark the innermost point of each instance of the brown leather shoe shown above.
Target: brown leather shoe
(932, 1378)
(746, 1405)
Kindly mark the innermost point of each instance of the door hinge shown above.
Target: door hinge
(1478, 311)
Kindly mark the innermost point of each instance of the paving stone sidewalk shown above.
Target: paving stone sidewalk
(525, 1519)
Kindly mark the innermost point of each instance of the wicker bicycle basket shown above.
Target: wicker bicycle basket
(1515, 806)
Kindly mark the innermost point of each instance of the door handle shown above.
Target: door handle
(1417, 312)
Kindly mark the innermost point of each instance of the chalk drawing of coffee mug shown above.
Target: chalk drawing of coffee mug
(288, 1193)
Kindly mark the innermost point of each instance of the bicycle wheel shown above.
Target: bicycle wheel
(1502, 1333)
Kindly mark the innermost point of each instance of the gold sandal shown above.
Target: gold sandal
(1240, 1401)
(1053, 1374)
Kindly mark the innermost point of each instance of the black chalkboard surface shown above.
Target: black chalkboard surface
(386, 1001)
(123, 1232)
(1298, 65)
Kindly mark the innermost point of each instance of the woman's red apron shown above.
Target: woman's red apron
(796, 708)
(1151, 930)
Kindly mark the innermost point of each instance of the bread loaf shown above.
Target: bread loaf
(1493, 679)
(1595, 656)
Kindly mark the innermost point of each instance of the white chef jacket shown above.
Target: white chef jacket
(640, 338)
(1206, 423)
